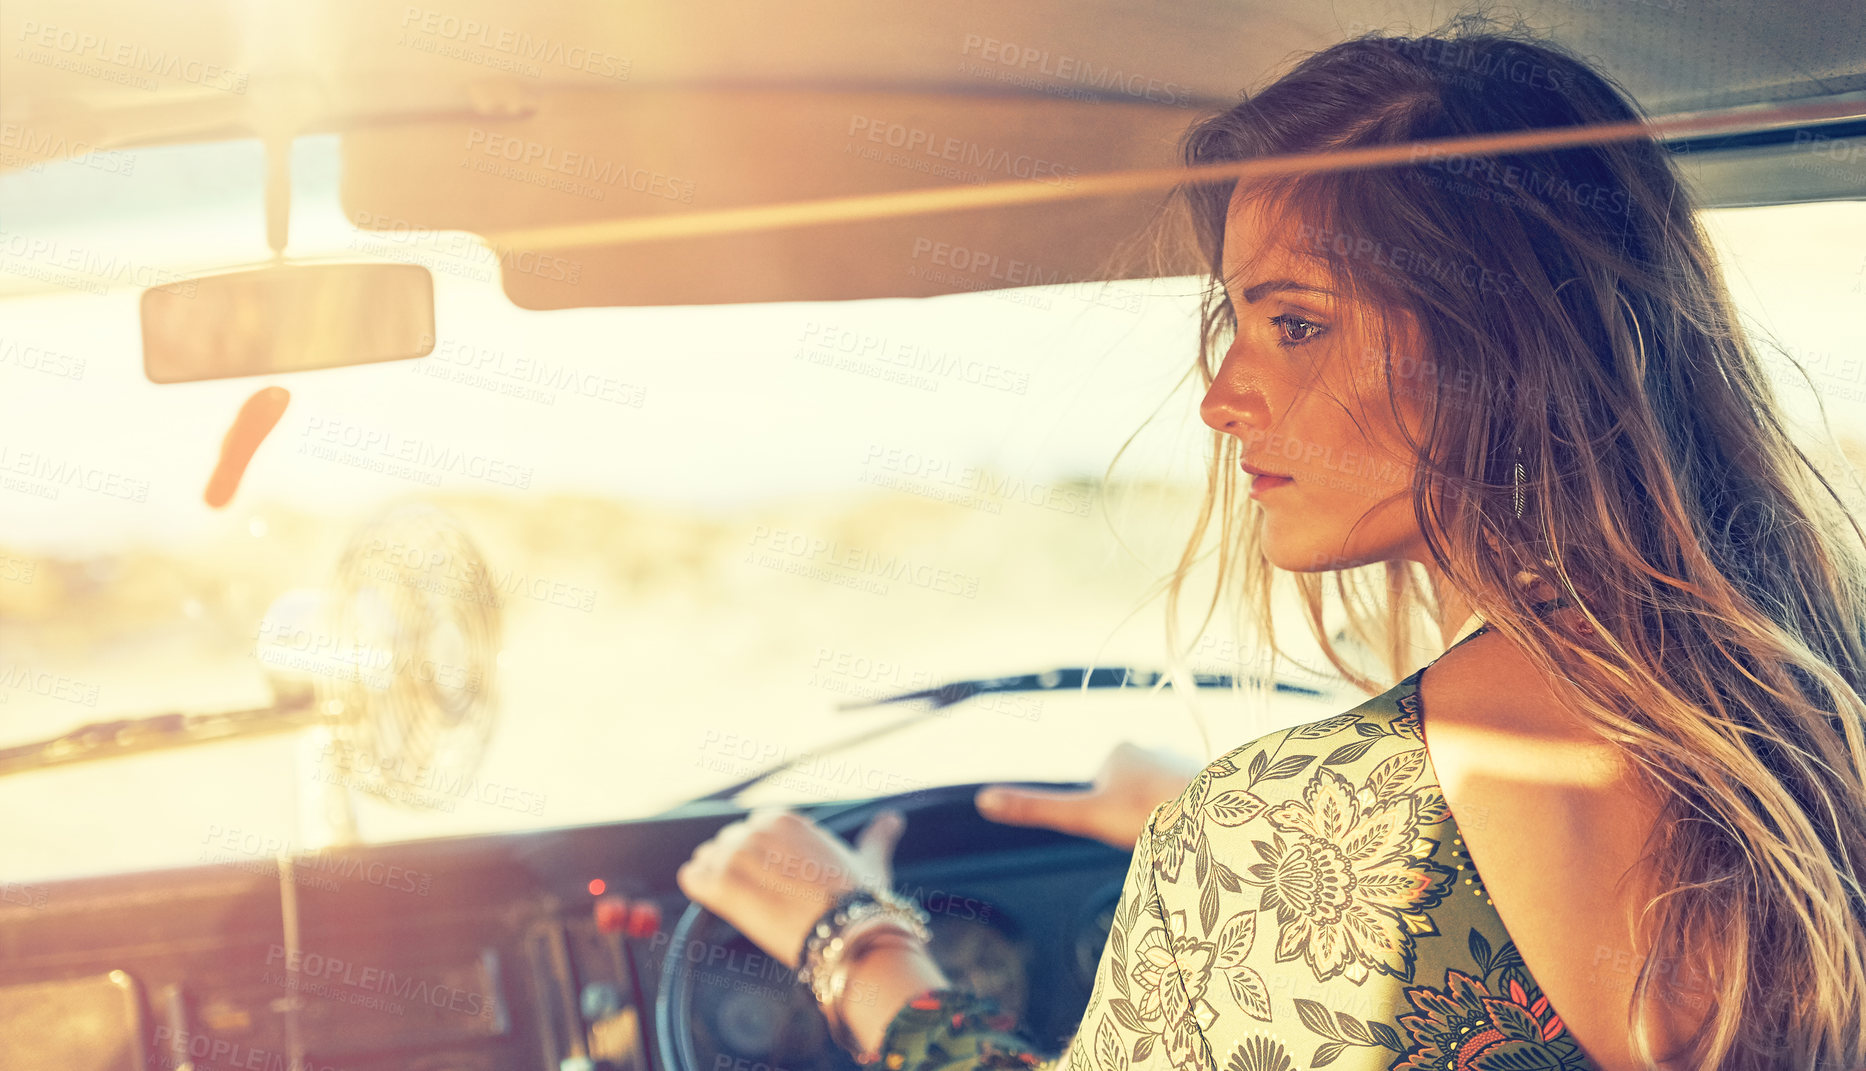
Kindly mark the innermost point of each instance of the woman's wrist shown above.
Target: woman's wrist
(890, 970)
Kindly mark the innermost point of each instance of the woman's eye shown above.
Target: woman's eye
(1294, 330)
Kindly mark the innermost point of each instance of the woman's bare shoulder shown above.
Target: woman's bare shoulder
(1564, 833)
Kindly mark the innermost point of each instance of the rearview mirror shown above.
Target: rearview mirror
(289, 318)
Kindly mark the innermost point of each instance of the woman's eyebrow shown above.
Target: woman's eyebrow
(1256, 293)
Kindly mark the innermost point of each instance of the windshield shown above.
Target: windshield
(707, 527)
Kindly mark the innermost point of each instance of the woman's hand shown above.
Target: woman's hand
(773, 873)
(1129, 785)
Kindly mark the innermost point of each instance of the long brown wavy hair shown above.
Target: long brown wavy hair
(1578, 325)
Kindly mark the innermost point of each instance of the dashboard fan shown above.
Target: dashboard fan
(398, 659)
(415, 603)
(415, 618)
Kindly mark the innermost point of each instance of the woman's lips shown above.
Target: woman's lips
(1260, 484)
(1263, 481)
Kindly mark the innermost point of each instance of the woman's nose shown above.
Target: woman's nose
(1235, 402)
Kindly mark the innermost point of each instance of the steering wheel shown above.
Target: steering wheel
(675, 1006)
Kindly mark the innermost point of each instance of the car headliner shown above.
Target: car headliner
(729, 107)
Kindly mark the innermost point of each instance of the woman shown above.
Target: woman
(1522, 374)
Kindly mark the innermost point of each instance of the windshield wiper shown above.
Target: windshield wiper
(129, 736)
(1107, 677)
(957, 691)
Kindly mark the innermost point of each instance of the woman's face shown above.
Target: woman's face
(1304, 390)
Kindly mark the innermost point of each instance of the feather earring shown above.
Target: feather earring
(1516, 491)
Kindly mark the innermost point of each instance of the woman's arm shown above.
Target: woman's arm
(891, 971)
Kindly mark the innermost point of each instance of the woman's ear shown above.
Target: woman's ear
(1537, 586)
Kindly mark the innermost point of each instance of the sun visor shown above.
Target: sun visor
(589, 157)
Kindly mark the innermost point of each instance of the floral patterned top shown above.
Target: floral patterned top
(1307, 901)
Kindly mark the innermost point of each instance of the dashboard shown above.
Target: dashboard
(483, 953)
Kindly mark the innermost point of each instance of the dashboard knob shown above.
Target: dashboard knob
(612, 914)
(599, 1001)
(644, 919)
